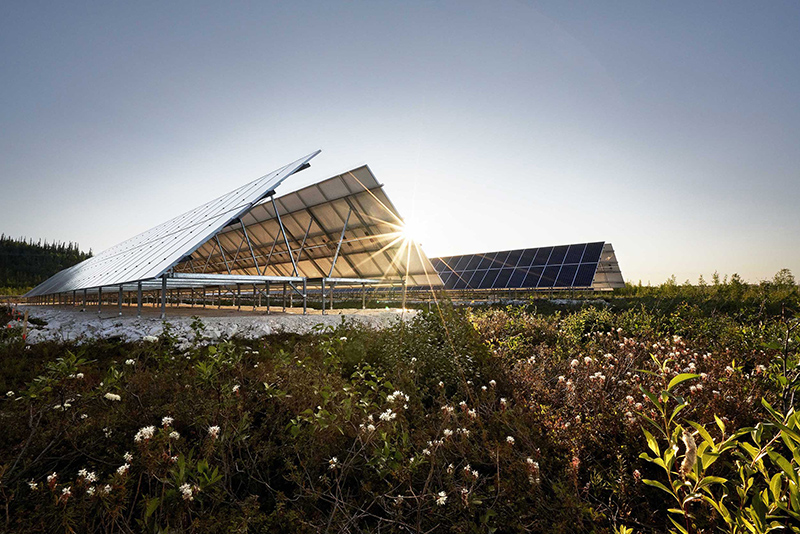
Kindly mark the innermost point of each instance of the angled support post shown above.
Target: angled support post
(99, 300)
(139, 298)
(339, 246)
(285, 239)
(305, 237)
(250, 246)
(119, 301)
(221, 251)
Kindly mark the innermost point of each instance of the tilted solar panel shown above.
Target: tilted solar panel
(559, 267)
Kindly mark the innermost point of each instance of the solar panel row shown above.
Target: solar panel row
(563, 266)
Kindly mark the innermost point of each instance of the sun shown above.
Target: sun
(409, 231)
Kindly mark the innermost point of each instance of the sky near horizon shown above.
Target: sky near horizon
(669, 129)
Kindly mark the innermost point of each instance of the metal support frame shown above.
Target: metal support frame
(268, 298)
(139, 298)
(222, 251)
(163, 297)
(83, 307)
(323, 296)
(119, 301)
(339, 245)
(285, 239)
(250, 246)
(99, 300)
(305, 297)
(238, 297)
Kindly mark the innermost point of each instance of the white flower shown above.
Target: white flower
(107, 489)
(573, 363)
(144, 433)
(463, 405)
(562, 379)
(130, 362)
(33, 485)
(51, 478)
(90, 490)
(84, 415)
(333, 463)
(9, 394)
(343, 338)
(371, 427)
(174, 435)
(397, 395)
(441, 384)
(151, 339)
(587, 360)
(79, 376)
(510, 440)
(483, 388)
(472, 414)
(426, 452)
(503, 401)
(450, 469)
(213, 431)
(66, 492)
(492, 383)
(112, 397)
(474, 474)
(128, 457)
(388, 415)
(186, 490)
(167, 421)
(123, 469)
(236, 388)
(448, 409)
(441, 498)
(447, 432)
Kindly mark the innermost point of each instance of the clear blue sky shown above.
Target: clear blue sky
(670, 129)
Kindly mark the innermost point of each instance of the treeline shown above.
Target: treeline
(25, 263)
(730, 295)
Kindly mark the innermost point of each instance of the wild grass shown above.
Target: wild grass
(498, 419)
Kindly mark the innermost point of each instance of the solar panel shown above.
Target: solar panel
(560, 267)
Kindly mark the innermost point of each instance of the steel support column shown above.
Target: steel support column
(119, 301)
(139, 299)
(163, 297)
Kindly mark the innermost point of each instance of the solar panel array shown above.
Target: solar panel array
(565, 266)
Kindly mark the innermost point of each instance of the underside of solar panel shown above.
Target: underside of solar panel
(579, 266)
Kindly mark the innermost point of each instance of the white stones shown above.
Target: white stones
(69, 324)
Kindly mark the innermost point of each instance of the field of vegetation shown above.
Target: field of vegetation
(661, 409)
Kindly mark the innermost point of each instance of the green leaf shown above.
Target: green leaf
(683, 377)
(152, 505)
(652, 443)
(704, 434)
(775, 486)
(659, 485)
(681, 529)
(711, 480)
(720, 424)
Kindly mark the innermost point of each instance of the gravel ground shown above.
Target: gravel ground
(70, 324)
